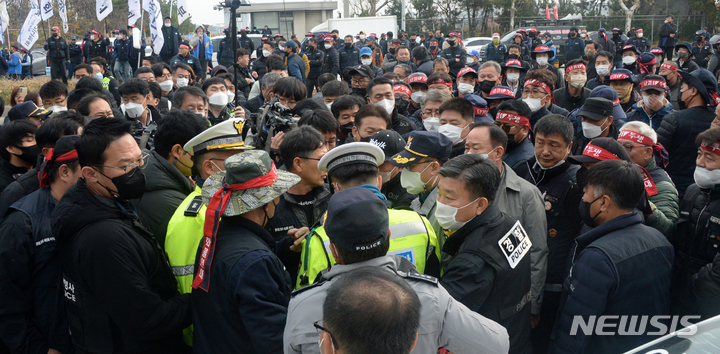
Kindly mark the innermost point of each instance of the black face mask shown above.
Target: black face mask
(348, 45)
(365, 139)
(580, 176)
(513, 56)
(450, 43)
(573, 34)
(346, 128)
(493, 112)
(360, 91)
(698, 39)
(130, 185)
(664, 77)
(487, 86)
(392, 51)
(433, 47)
(401, 105)
(511, 144)
(54, 35)
(584, 209)
(29, 154)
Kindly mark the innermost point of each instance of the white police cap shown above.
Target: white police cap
(351, 153)
(223, 136)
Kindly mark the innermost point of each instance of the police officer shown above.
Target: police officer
(363, 242)
(58, 55)
(356, 165)
(495, 50)
(349, 55)
(75, 52)
(185, 228)
(331, 61)
(245, 41)
(490, 269)
(225, 55)
(454, 54)
(640, 42)
(701, 50)
(391, 142)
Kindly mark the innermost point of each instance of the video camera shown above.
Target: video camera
(272, 118)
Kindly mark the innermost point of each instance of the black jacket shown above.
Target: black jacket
(426, 67)
(316, 59)
(32, 316)
(677, 134)
(165, 189)
(642, 44)
(331, 62)
(92, 49)
(701, 54)
(247, 43)
(399, 197)
(24, 185)
(9, 173)
(574, 48)
(496, 54)
(482, 277)
(700, 297)
(240, 83)
(225, 55)
(688, 66)
(452, 53)
(245, 307)
(665, 30)
(75, 53)
(570, 103)
(192, 61)
(57, 49)
(112, 264)
(401, 124)
(349, 57)
(172, 41)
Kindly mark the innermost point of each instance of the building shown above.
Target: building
(291, 17)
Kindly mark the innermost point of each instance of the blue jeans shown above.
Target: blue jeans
(123, 71)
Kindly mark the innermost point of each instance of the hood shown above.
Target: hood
(79, 208)
(161, 175)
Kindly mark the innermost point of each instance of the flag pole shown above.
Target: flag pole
(142, 21)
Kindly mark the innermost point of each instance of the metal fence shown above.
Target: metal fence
(687, 25)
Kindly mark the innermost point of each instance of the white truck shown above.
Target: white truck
(353, 26)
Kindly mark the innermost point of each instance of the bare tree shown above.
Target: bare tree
(629, 12)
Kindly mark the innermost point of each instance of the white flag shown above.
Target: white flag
(4, 20)
(134, 11)
(183, 11)
(29, 32)
(156, 23)
(46, 9)
(103, 8)
(62, 9)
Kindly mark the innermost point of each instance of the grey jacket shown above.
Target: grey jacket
(522, 201)
(444, 322)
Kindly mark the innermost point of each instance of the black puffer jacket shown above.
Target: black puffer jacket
(21, 187)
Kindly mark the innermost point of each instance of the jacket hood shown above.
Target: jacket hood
(78, 208)
(161, 175)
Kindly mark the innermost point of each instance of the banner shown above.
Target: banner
(103, 8)
(555, 11)
(156, 23)
(547, 11)
(29, 31)
(134, 11)
(62, 9)
(46, 9)
(4, 20)
(183, 11)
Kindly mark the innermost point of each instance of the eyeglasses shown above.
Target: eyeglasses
(534, 92)
(320, 328)
(629, 147)
(359, 81)
(140, 164)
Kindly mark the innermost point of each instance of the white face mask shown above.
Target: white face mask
(514, 77)
(487, 155)
(542, 61)
(266, 53)
(219, 99)
(417, 96)
(200, 114)
(329, 105)
(646, 99)
(281, 47)
(92, 37)
(388, 105)
(628, 60)
(639, 35)
(533, 103)
(231, 96)
(167, 25)
(583, 35)
(366, 61)
(182, 82)
(328, 46)
(412, 181)
(602, 70)
(362, 36)
(578, 81)
(452, 132)
(445, 215)
(537, 162)
(166, 85)
(465, 89)
(592, 131)
(705, 178)
(387, 176)
(431, 124)
(133, 110)
(469, 60)
(58, 108)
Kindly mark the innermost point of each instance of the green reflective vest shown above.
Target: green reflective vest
(105, 82)
(184, 234)
(411, 236)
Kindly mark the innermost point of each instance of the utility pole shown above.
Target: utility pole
(402, 13)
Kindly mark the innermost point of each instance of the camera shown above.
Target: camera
(272, 118)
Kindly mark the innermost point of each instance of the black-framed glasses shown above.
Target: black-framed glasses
(320, 328)
(630, 147)
(140, 164)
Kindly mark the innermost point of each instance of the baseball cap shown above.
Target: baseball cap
(610, 94)
(474, 53)
(343, 226)
(290, 44)
(365, 51)
(514, 63)
(422, 144)
(653, 82)
(596, 108)
(27, 109)
(467, 70)
(501, 92)
(350, 154)
(600, 149)
(479, 107)
(630, 47)
(622, 75)
(362, 70)
(417, 78)
(390, 141)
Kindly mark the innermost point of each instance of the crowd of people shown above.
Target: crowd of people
(358, 194)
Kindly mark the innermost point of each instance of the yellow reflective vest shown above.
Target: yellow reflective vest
(411, 236)
(184, 233)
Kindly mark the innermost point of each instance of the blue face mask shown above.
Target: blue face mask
(98, 76)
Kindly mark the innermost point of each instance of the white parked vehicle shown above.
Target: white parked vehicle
(477, 43)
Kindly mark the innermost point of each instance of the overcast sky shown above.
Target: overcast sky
(202, 10)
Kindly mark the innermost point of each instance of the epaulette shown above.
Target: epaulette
(194, 207)
(305, 288)
(406, 269)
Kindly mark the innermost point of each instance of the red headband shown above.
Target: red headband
(43, 176)
(599, 153)
(536, 82)
(502, 91)
(440, 81)
(658, 149)
(575, 67)
(417, 79)
(654, 83)
(185, 45)
(668, 66)
(513, 118)
(215, 209)
(616, 102)
(402, 88)
(711, 148)
(480, 112)
(513, 62)
(648, 182)
(619, 76)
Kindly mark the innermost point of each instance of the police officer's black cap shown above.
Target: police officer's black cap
(354, 215)
(27, 109)
(422, 144)
(389, 141)
(596, 108)
(363, 70)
